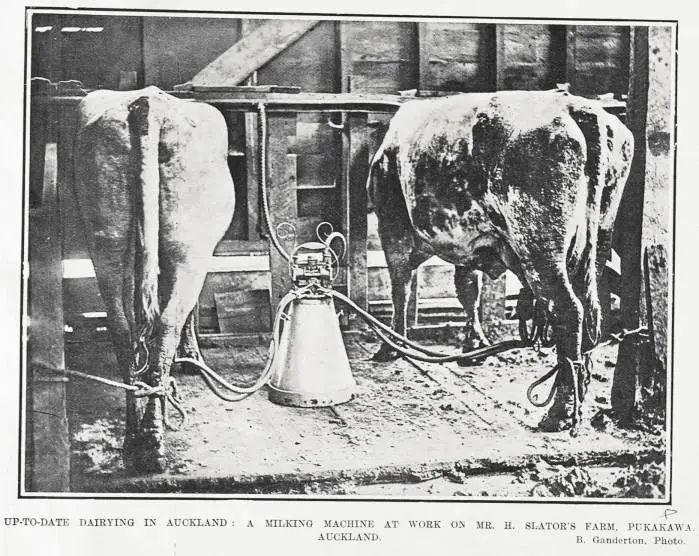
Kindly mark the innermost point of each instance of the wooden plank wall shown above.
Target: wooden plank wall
(530, 56)
(91, 48)
(379, 56)
(598, 59)
(457, 56)
(173, 51)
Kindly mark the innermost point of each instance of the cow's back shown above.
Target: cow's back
(459, 144)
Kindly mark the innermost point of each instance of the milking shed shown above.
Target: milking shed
(306, 102)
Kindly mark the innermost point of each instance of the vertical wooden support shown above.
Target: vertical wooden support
(358, 135)
(345, 54)
(74, 244)
(281, 193)
(626, 388)
(657, 208)
(500, 56)
(570, 56)
(252, 157)
(422, 57)
(48, 448)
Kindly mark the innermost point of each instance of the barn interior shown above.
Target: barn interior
(415, 429)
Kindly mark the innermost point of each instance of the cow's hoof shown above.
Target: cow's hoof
(187, 368)
(469, 362)
(385, 354)
(558, 418)
(144, 450)
(141, 456)
(471, 345)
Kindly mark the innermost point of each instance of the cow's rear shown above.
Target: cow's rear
(529, 181)
(155, 195)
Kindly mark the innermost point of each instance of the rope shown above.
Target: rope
(139, 389)
(641, 331)
(530, 396)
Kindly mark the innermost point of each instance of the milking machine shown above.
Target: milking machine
(307, 364)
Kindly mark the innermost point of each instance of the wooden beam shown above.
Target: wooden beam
(252, 52)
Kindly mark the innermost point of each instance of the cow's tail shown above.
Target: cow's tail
(372, 181)
(145, 135)
(592, 313)
(586, 276)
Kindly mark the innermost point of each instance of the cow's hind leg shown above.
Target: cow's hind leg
(180, 285)
(469, 284)
(402, 265)
(568, 325)
(117, 294)
(189, 345)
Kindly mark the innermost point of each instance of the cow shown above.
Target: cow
(523, 180)
(155, 196)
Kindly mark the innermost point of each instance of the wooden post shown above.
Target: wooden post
(252, 158)
(645, 216)
(281, 193)
(48, 446)
(657, 211)
(345, 53)
(358, 171)
(422, 57)
(500, 56)
(625, 389)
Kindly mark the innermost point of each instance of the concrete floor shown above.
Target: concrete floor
(411, 424)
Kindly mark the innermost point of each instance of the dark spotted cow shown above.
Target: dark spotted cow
(155, 195)
(526, 181)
